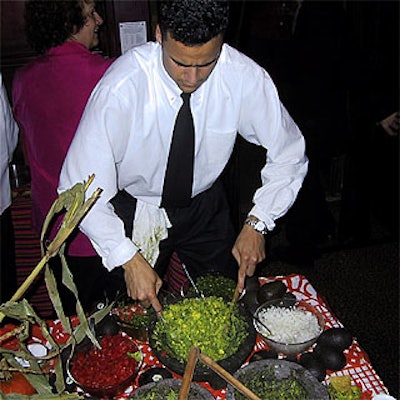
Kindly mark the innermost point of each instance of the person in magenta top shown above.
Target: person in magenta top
(49, 96)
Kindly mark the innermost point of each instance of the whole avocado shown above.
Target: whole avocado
(107, 326)
(310, 362)
(250, 298)
(331, 357)
(339, 338)
(250, 301)
(252, 283)
(271, 291)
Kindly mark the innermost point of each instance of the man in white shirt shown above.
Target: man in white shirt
(124, 139)
(8, 140)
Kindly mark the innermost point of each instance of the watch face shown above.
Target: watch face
(260, 226)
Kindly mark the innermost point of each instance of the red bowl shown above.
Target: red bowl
(108, 371)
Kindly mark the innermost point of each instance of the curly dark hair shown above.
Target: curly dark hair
(50, 23)
(193, 22)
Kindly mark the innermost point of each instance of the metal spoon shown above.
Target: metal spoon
(238, 296)
(185, 270)
(255, 316)
(242, 295)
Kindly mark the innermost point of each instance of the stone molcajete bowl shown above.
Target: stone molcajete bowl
(202, 373)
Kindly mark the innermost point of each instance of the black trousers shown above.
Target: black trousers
(202, 234)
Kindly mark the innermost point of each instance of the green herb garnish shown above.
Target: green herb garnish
(137, 355)
(133, 314)
(214, 285)
(155, 394)
(267, 387)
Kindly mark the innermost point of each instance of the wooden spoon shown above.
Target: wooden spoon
(228, 377)
(236, 294)
(189, 371)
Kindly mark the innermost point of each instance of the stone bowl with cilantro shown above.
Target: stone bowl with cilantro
(278, 380)
(168, 389)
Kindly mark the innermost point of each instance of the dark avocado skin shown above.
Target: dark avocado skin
(331, 357)
(310, 362)
(107, 326)
(339, 338)
(252, 283)
(250, 297)
(328, 352)
(271, 291)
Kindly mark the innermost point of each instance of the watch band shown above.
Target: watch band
(258, 225)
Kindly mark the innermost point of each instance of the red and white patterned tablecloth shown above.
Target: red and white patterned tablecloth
(358, 365)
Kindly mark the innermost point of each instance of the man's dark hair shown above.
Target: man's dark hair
(50, 23)
(193, 22)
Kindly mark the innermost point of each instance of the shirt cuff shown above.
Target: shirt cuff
(257, 212)
(120, 255)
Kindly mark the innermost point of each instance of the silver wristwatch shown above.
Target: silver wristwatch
(258, 225)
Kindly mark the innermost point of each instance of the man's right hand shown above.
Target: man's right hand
(142, 282)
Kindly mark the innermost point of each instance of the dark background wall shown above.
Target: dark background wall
(336, 67)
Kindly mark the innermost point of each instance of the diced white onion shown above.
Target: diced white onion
(288, 325)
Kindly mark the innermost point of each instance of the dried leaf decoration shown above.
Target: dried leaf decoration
(73, 200)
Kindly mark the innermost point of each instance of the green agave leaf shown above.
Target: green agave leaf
(55, 299)
(73, 201)
(21, 310)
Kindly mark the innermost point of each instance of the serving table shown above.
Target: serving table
(358, 364)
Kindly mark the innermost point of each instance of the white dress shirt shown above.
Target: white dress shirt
(8, 143)
(125, 134)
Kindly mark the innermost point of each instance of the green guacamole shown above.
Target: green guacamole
(211, 323)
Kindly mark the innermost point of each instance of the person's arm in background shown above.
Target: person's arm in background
(8, 143)
(9, 140)
(391, 124)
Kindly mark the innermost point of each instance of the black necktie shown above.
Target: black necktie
(178, 179)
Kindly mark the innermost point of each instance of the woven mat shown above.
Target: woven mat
(27, 253)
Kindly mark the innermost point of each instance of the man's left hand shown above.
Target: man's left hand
(249, 250)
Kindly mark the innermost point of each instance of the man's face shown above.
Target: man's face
(189, 66)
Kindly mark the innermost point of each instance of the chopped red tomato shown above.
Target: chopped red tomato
(128, 312)
(17, 384)
(107, 366)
